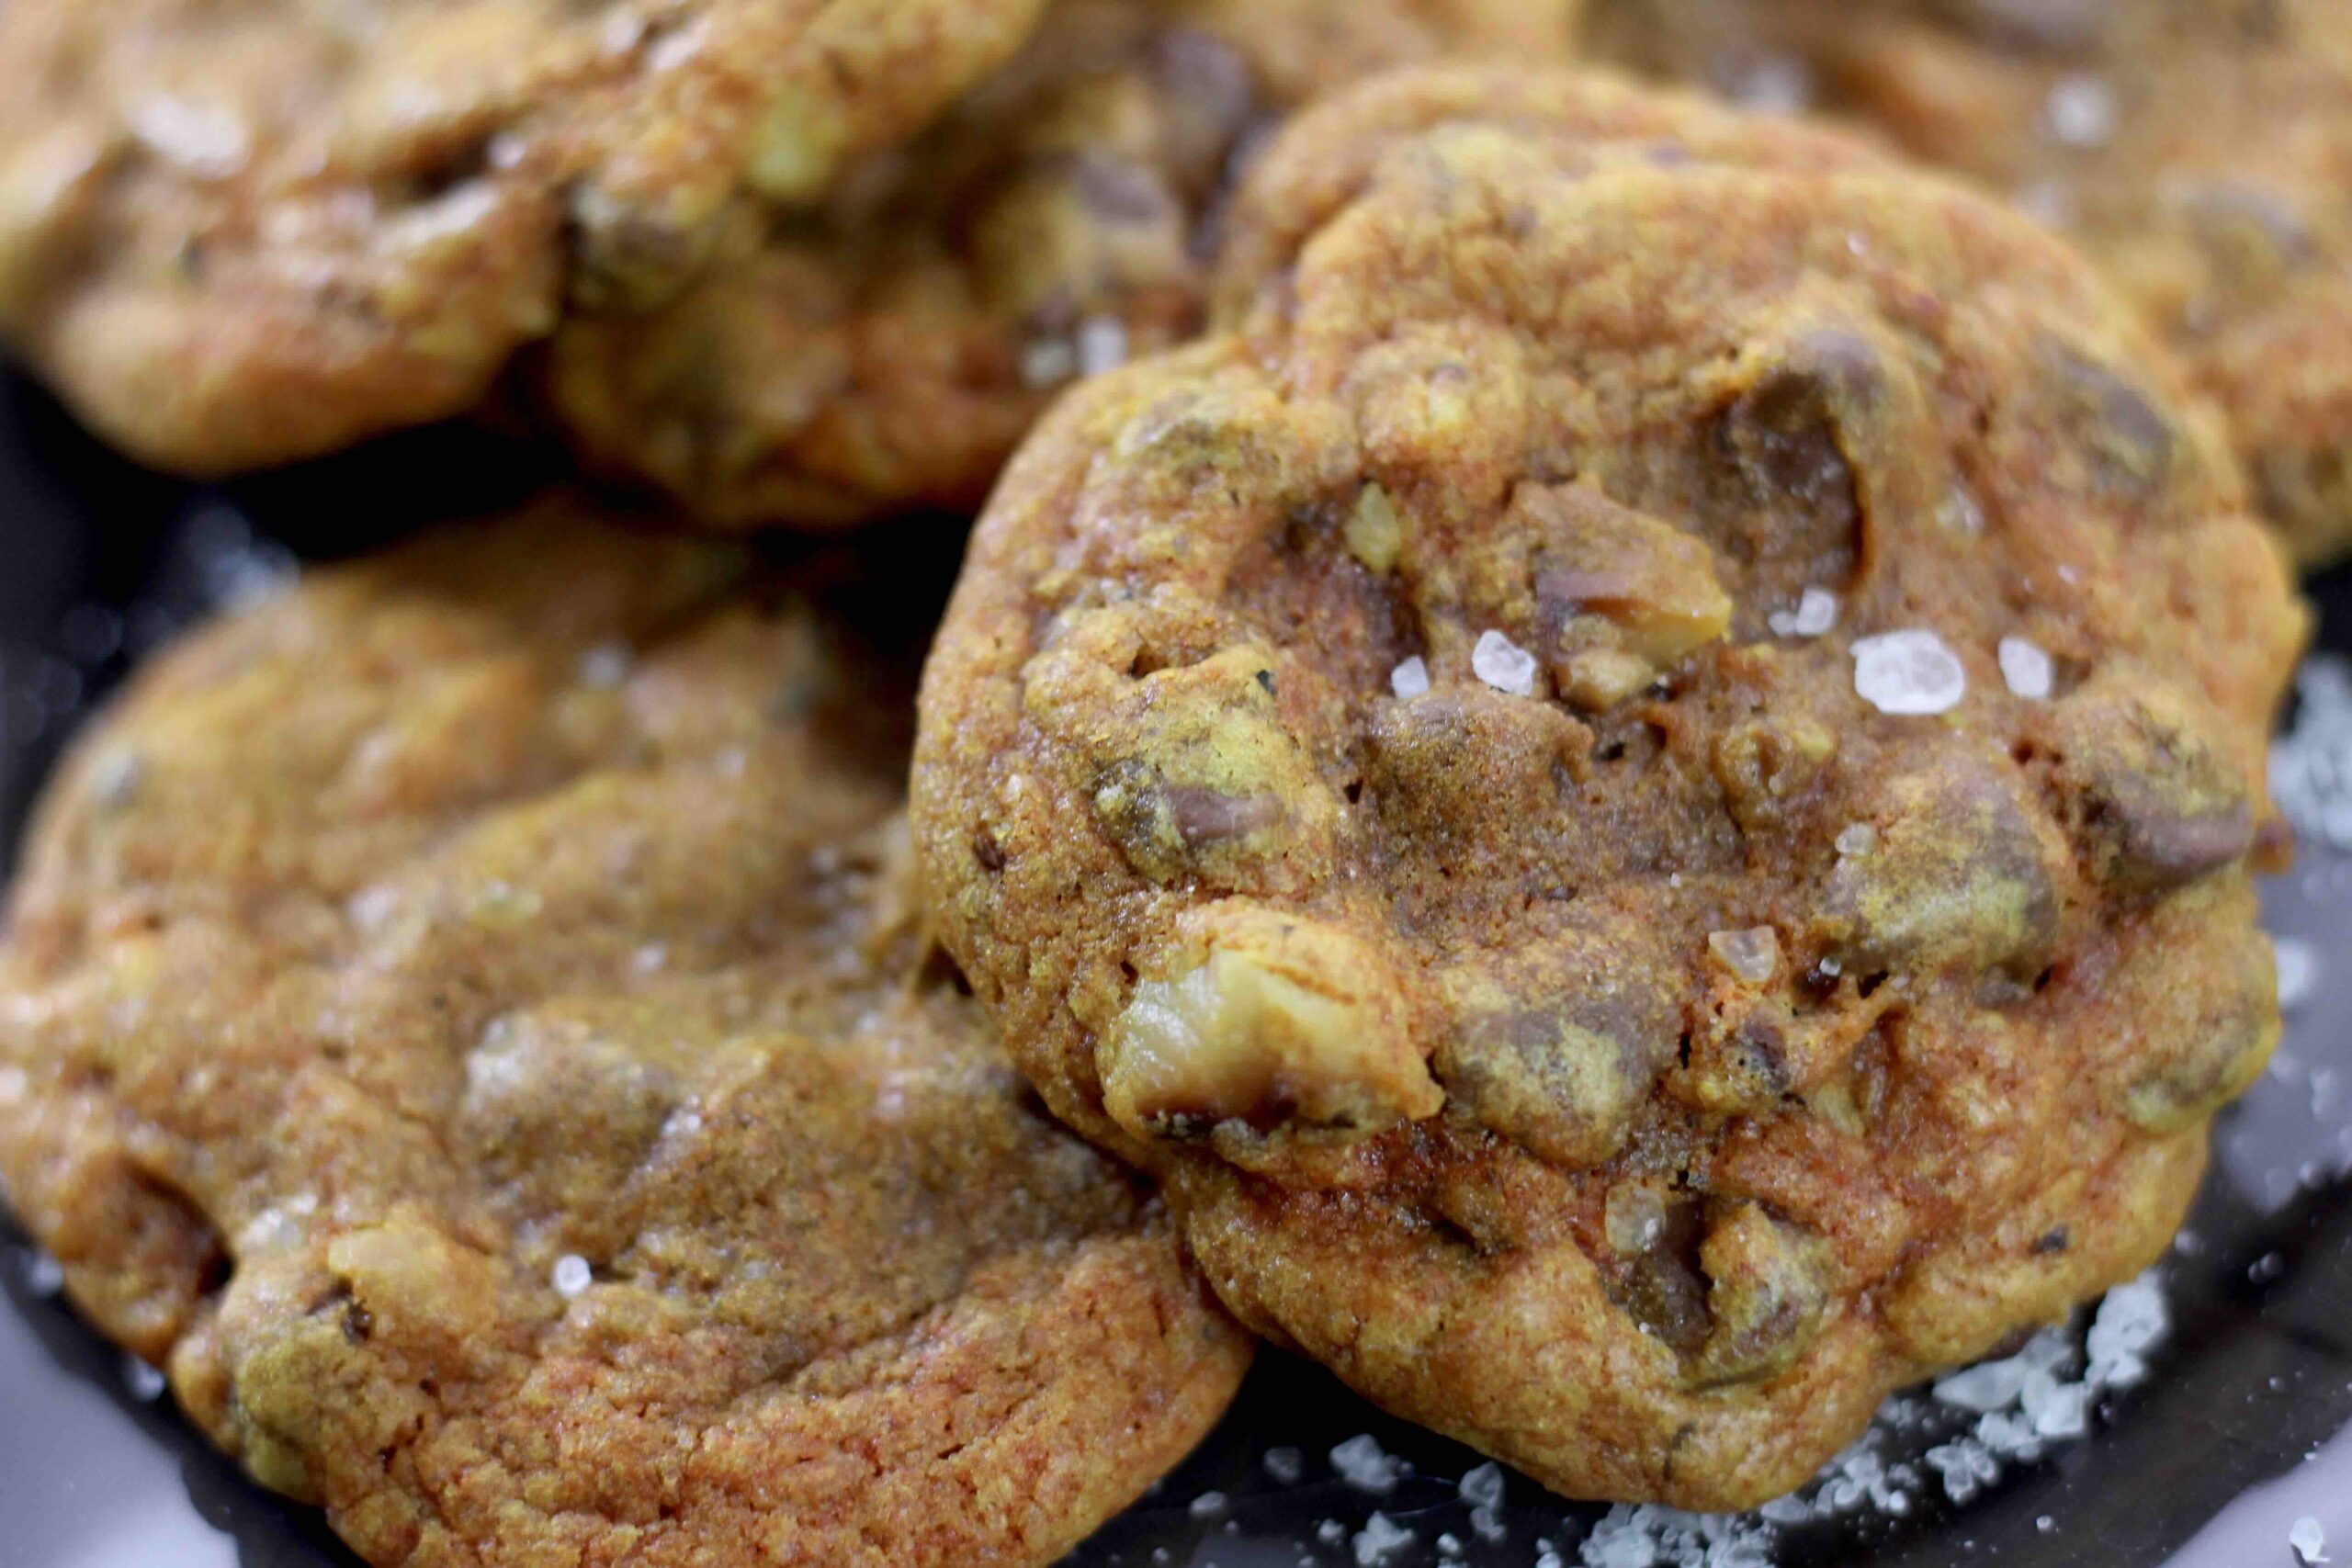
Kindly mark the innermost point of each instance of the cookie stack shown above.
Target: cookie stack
(1598, 758)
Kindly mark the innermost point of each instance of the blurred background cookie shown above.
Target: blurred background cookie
(890, 350)
(231, 236)
(2200, 152)
(468, 1022)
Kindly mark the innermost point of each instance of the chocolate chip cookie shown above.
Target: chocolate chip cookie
(236, 235)
(468, 1022)
(891, 353)
(1640, 782)
(2202, 152)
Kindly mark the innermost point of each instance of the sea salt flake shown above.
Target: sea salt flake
(1411, 679)
(1208, 1505)
(2053, 1409)
(2308, 1542)
(1908, 672)
(2081, 111)
(571, 1275)
(2129, 1322)
(1364, 1464)
(1379, 1539)
(1503, 664)
(2026, 669)
(1285, 1465)
(1987, 1386)
(1482, 1488)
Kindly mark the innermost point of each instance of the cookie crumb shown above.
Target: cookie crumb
(1503, 664)
(1908, 674)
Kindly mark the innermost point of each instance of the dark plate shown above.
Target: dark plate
(2240, 1427)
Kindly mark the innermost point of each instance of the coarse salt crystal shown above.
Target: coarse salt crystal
(1411, 679)
(1285, 1465)
(1482, 1488)
(571, 1275)
(1207, 1504)
(2308, 1541)
(44, 1275)
(1503, 664)
(2026, 669)
(1364, 1464)
(1856, 838)
(1908, 672)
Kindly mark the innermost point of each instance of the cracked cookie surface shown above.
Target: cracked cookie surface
(889, 351)
(469, 1022)
(1640, 785)
(2200, 153)
(234, 234)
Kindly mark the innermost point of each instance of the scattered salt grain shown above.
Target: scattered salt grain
(1774, 84)
(13, 1085)
(1483, 1489)
(2310, 765)
(1330, 1532)
(2026, 669)
(1857, 838)
(2308, 1542)
(1285, 1465)
(1411, 679)
(1816, 611)
(571, 1275)
(1449, 1544)
(1208, 1505)
(605, 665)
(1379, 1539)
(1364, 1464)
(2129, 1323)
(1908, 672)
(1503, 664)
(1047, 362)
(2080, 110)
(44, 1275)
(648, 959)
(2297, 971)
(146, 1385)
(1101, 345)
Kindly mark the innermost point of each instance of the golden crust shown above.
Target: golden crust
(892, 354)
(2199, 153)
(467, 1021)
(232, 236)
(1389, 771)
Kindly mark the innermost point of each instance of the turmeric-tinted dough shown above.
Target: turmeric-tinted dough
(468, 1022)
(891, 352)
(236, 234)
(2200, 150)
(1640, 785)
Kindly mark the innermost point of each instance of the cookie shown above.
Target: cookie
(233, 236)
(470, 1023)
(890, 354)
(1640, 782)
(2200, 153)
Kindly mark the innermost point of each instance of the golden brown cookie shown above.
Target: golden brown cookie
(468, 1022)
(2202, 152)
(891, 353)
(1641, 786)
(236, 235)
